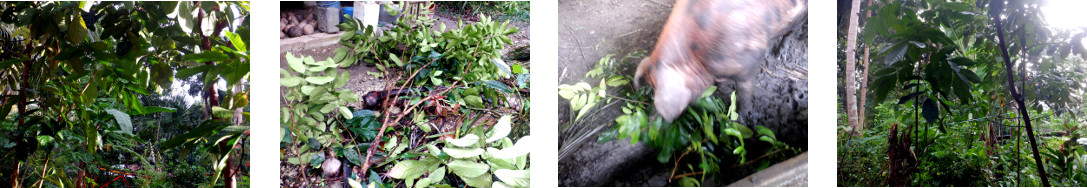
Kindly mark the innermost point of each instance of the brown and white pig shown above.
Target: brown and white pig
(714, 41)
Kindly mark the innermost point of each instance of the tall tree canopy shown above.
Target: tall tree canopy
(75, 76)
(967, 74)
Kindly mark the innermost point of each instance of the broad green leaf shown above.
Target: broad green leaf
(396, 60)
(77, 30)
(497, 85)
(477, 181)
(521, 148)
(340, 53)
(206, 56)
(498, 163)
(433, 149)
(764, 131)
(237, 41)
(437, 175)
(474, 101)
(409, 169)
(465, 141)
(420, 121)
(342, 79)
(221, 112)
(391, 143)
(354, 183)
(170, 7)
(583, 86)
(519, 178)
(461, 153)
(567, 93)
(189, 72)
(92, 138)
(296, 63)
(319, 79)
(347, 35)
(90, 93)
(501, 129)
(422, 183)
(163, 75)
(345, 112)
(122, 119)
(467, 168)
(185, 17)
(86, 5)
(290, 81)
(505, 68)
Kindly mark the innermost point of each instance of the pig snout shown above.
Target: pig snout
(674, 86)
(704, 42)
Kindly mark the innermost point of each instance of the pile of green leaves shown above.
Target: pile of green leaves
(471, 158)
(410, 44)
(313, 93)
(708, 129)
(466, 61)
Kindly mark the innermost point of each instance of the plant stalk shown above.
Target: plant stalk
(998, 7)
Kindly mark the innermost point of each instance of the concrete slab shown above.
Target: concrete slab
(315, 40)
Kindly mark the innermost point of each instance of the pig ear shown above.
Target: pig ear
(671, 97)
(642, 68)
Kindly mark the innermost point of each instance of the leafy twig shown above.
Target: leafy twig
(625, 99)
(686, 174)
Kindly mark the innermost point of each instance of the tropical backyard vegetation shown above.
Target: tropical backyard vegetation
(133, 94)
(448, 107)
(962, 93)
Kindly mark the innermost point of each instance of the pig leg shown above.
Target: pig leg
(724, 91)
(744, 98)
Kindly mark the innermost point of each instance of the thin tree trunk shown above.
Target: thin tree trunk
(998, 7)
(863, 92)
(27, 66)
(850, 68)
(864, 78)
(212, 99)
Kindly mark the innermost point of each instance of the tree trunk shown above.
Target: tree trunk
(863, 92)
(850, 68)
(998, 7)
(212, 99)
(864, 79)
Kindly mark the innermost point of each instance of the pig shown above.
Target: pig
(710, 41)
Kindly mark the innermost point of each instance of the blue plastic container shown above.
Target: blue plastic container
(350, 11)
(328, 4)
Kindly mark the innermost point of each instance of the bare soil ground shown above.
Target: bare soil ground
(590, 29)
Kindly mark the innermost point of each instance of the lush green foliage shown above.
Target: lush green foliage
(939, 78)
(708, 129)
(472, 48)
(82, 84)
(452, 77)
(515, 9)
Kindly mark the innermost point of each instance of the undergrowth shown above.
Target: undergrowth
(700, 144)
